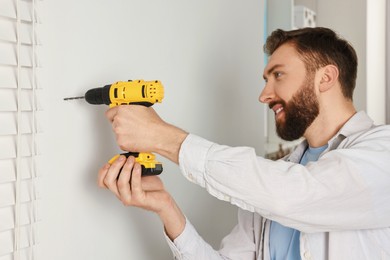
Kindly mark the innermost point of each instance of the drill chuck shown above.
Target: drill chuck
(98, 96)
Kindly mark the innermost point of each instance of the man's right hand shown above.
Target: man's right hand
(146, 192)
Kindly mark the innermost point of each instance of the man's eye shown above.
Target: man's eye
(277, 74)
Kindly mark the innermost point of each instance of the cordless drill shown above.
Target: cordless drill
(137, 92)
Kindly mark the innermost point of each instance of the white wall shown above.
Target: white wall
(362, 22)
(376, 60)
(208, 55)
(348, 18)
(388, 63)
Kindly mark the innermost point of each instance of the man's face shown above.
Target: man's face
(299, 112)
(290, 93)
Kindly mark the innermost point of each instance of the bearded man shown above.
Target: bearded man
(328, 199)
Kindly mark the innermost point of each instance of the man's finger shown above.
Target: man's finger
(136, 185)
(111, 113)
(112, 174)
(102, 174)
(124, 188)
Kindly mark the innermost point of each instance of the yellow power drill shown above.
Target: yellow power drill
(137, 92)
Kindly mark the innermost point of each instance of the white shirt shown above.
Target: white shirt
(340, 203)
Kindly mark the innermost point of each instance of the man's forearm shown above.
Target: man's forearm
(173, 219)
(170, 140)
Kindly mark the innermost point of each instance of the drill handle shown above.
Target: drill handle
(149, 165)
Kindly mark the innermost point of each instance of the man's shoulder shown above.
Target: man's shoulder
(360, 126)
(377, 134)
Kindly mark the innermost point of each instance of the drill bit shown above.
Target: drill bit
(71, 98)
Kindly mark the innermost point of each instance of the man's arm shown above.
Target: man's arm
(132, 123)
(148, 193)
(302, 197)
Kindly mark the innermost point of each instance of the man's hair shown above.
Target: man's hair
(319, 47)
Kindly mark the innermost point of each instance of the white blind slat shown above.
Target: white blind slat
(26, 56)
(8, 8)
(27, 34)
(7, 192)
(7, 216)
(6, 240)
(26, 78)
(9, 125)
(7, 257)
(8, 168)
(26, 11)
(7, 30)
(24, 254)
(9, 142)
(9, 147)
(8, 77)
(8, 55)
(8, 100)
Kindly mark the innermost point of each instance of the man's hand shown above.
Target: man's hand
(127, 185)
(140, 129)
(144, 192)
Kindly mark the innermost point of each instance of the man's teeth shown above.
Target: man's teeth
(278, 110)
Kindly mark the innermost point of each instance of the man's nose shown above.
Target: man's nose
(267, 95)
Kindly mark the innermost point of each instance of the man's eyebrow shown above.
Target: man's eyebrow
(270, 70)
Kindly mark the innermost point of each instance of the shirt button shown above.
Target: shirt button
(307, 255)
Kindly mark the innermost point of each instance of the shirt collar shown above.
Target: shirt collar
(360, 121)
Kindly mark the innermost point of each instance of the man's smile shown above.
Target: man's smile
(277, 109)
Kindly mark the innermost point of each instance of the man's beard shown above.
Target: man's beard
(299, 112)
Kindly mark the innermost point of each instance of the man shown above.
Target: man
(329, 199)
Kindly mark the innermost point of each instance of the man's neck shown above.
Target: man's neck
(327, 124)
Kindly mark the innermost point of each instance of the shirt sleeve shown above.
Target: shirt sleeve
(239, 244)
(189, 245)
(344, 190)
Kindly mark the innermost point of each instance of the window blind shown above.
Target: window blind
(20, 128)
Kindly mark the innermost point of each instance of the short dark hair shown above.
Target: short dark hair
(319, 47)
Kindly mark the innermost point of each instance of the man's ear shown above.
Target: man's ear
(329, 77)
